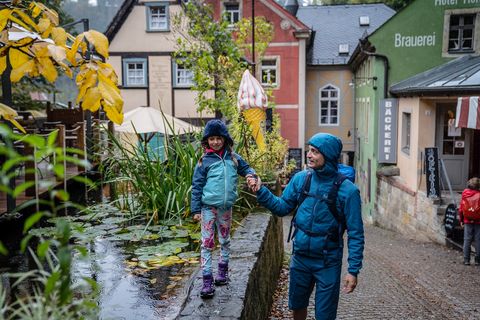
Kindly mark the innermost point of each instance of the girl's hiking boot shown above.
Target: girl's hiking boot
(466, 262)
(477, 261)
(222, 275)
(208, 290)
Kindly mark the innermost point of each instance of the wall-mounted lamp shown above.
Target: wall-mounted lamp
(362, 79)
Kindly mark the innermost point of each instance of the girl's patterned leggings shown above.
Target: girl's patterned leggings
(222, 219)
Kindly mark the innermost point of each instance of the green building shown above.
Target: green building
(412, 45)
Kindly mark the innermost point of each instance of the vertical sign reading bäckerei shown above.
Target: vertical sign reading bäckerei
(387, 131)
(431, 170)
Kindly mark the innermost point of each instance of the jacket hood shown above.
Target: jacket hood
(467, 193)
(216, 127)
(330, 147)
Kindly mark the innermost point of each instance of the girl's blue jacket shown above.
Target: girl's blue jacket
(215, 181)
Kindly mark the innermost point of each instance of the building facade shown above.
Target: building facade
(408, 104)
(143, 42)
(330, 82)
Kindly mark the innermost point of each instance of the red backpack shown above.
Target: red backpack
(471, 207)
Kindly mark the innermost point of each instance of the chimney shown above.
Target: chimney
(291, 6)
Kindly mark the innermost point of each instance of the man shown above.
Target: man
(318, 237)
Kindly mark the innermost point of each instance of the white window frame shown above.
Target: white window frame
(163, 18)
(179, 72)
(230, 13)
(446, 53)
(406, 132)
(268, 69)
(329, 88)
(128, 83)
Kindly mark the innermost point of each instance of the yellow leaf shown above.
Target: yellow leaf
(66, 69)
(3, 63)
(72, 53)
(91, 100)
(4, 15)
(113, 114)
(47, 69)
(18, 73)
(107, 70)
(99, 42)
(17, 58)
(49, 13)
(59, 36)
(25, 17)
(44, 24)
(9, 114)
(35, 9)
(110, 93)
(88, 81)
(57, 53)
(19, 22)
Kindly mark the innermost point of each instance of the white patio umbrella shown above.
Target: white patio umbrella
(149, 120)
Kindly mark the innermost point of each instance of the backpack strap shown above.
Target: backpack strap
(331, 202)
(332, 199)
(303, 194)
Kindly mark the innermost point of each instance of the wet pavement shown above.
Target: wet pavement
(402, 279)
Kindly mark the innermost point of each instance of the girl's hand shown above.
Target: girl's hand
(254, 182)
(197, 217)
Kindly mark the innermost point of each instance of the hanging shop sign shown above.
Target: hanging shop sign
(387, 131)
(432, 172)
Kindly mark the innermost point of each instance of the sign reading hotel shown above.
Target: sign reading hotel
(387, 131)
(441, 3)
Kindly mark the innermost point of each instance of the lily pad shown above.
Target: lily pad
(164, 249)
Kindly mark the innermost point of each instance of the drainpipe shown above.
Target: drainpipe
(385, 65)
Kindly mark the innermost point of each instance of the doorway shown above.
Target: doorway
(453, 147)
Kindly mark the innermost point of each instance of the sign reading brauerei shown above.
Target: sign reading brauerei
(387, 131)
(432, 172)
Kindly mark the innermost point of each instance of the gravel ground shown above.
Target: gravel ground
(402, 279)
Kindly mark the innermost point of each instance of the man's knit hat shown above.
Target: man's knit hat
(216, 127)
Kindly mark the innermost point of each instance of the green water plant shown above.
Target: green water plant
(51, 290)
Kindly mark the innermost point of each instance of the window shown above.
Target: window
(157, 16)
(329, 105)
(406, 131)
(183, 77)
(460, 38)
(364, 21)
(232, 12)
(269, 72)
(135, 72)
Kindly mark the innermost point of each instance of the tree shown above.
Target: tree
(216, 53)
(34, 46)
(209, 51)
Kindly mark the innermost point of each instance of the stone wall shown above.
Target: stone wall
(255, 261)
(411, 213)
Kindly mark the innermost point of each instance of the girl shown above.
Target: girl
(214, 191)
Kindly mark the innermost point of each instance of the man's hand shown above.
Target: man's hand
(254, 182)
(197, 217)
(350, 282)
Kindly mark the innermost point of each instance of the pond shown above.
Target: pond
(140, 271)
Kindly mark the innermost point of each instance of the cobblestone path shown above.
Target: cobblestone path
(403, 279)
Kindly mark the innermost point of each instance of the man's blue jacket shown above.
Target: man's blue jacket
(316, 233)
